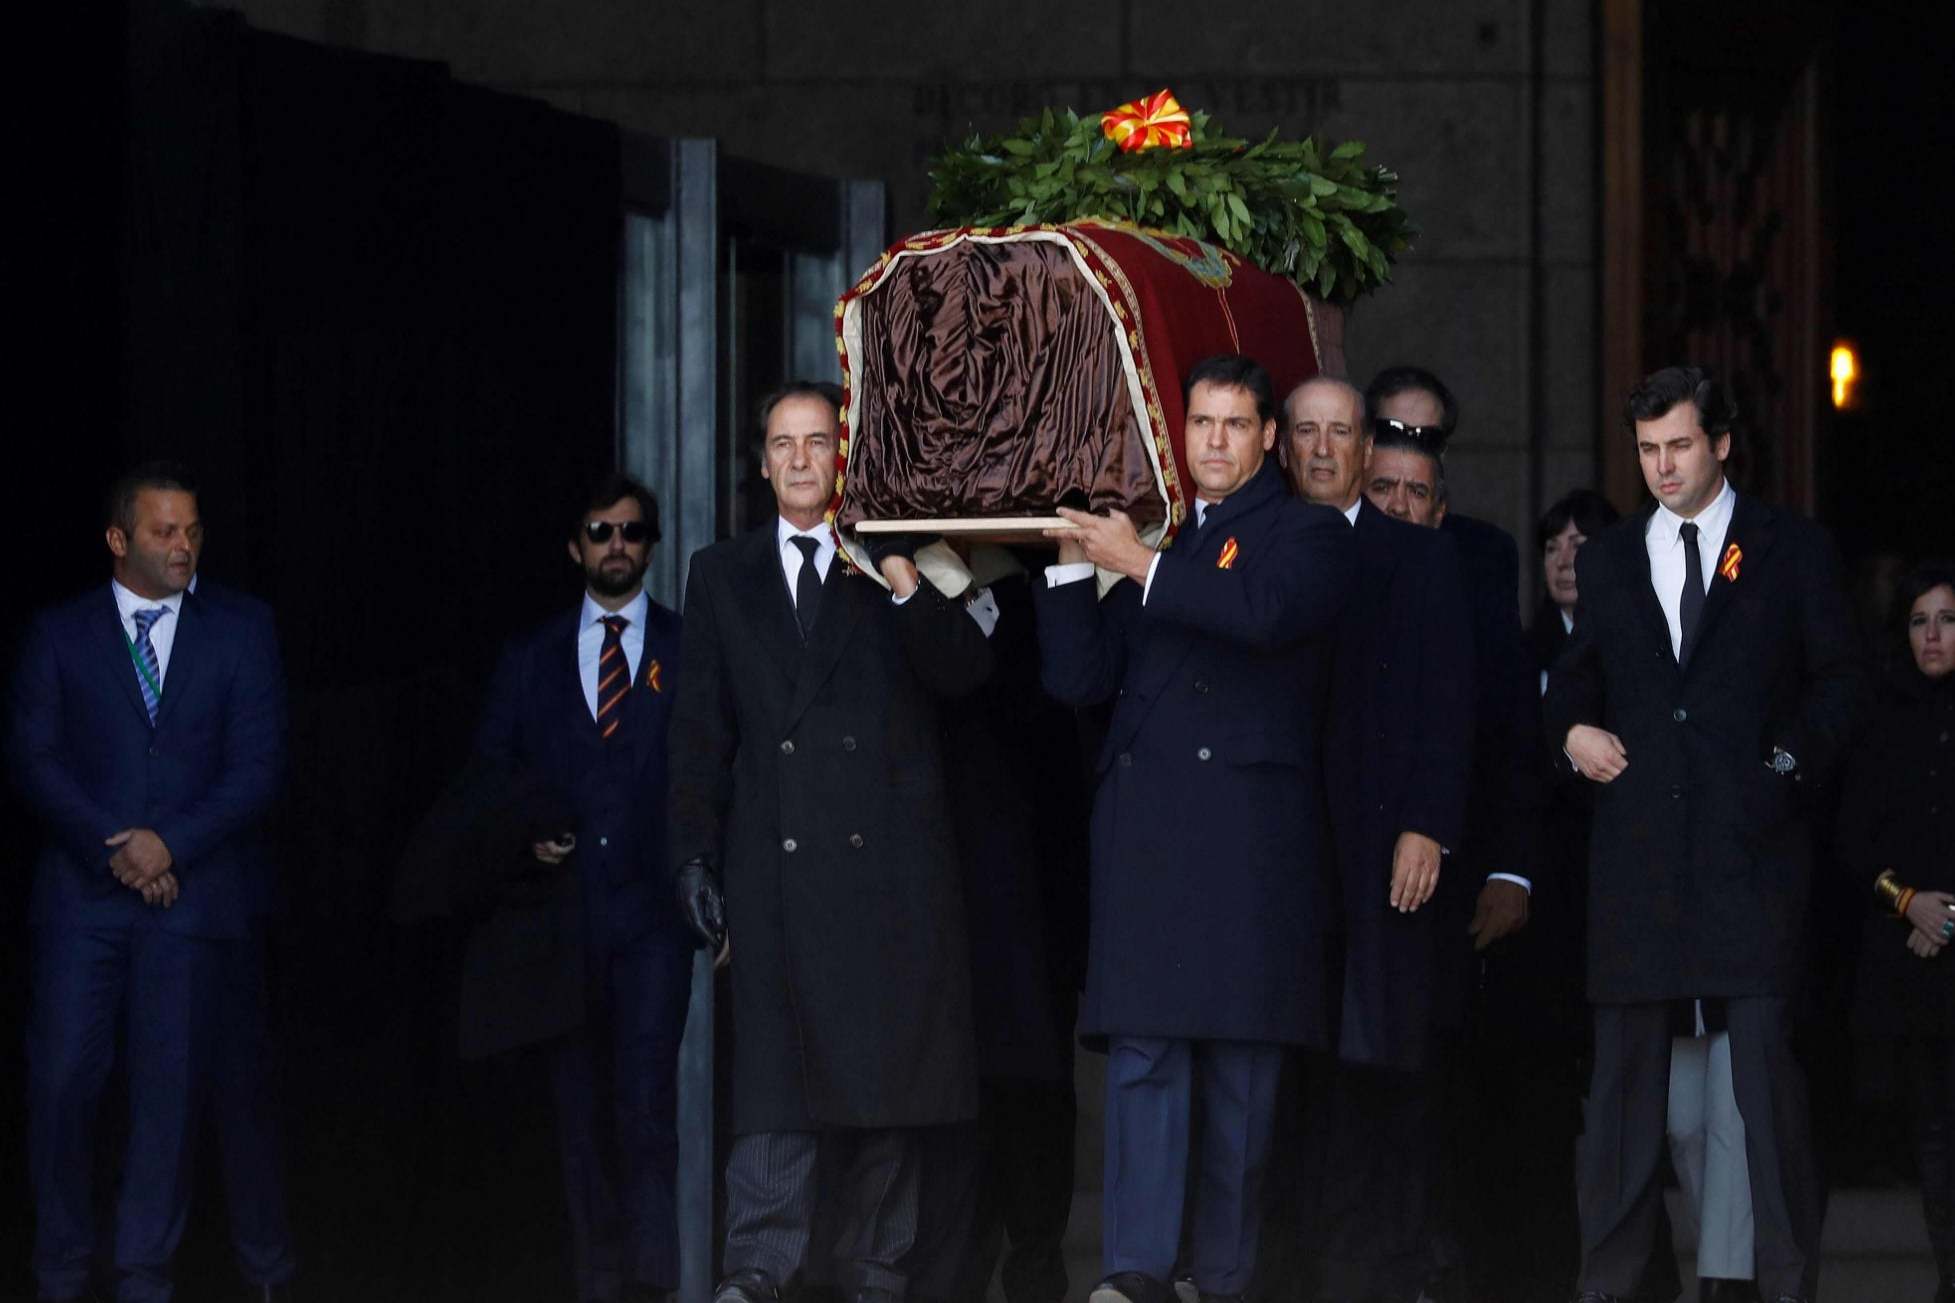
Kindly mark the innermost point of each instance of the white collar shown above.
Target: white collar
(129, 603)
(785, 529)
(1712, 521)
(1351, 512)
(633, 611)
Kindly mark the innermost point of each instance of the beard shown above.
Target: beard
(615, 580)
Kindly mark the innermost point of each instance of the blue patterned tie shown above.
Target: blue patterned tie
(151, 678)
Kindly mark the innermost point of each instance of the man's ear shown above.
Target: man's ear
(1269, 434)
(1439, 513)
(576, 557)
(117, 540)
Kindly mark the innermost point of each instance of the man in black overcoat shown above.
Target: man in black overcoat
(584, 701)
(1211, 878)
(1396, 753)
(1711, 679)
(810, 824)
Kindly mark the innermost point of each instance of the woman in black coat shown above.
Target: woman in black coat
(1897, 832)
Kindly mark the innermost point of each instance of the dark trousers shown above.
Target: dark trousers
(1378, 1173)
(1619, 1193)
(616, 1087)
(157, 990)
(771, 1196)
(1931, 1109)
(1008, 1177)
(1151, 1087)
(243, 1105)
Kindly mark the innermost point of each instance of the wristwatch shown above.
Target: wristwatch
(1782, 762)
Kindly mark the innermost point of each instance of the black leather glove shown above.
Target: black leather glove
(700, 903)
(881, 546)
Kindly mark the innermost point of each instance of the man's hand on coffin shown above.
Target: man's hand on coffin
(895, 557)
(1110, 542)
(701, 905)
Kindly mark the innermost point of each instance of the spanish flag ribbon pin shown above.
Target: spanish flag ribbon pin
(652, 676)
(1729, 566)
(1149, 123)
(1227, 558)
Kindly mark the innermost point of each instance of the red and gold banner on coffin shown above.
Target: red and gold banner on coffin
(1169, 302)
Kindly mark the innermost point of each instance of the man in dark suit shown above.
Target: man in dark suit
(586, 698)
(1395, 757)
(148, 736)
(810, 824)
(1211, 878)
(1710, 677)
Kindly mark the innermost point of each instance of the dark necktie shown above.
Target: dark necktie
(807, 586)
(613, 676)
(1191, 533)
(149, 670)
(1692, 605)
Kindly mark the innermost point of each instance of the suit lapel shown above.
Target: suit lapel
(1635, 560)
(188, 660)
(1751, 533)
(115, 646)
(568, 678)
(762, 593)
(843, 599)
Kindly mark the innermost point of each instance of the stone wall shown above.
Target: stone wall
(1479, 105)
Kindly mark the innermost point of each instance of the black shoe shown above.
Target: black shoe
(1131, 1287)
(747, 1285)
(1717, 1289)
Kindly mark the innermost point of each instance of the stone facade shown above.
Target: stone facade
(1481, 107)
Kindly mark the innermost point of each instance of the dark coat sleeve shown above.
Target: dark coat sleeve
(704, 732)
(254, 752)
(1574, 693)
(38, 753)
(946, 650)
(1435, 803)
(1083, 638)
(1510, 712)
(1267, 606)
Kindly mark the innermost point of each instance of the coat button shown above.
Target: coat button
(1201, 685)
(1203, 754)
(604, 841)
(788, 846)
(787, 748)
(153, 751)
(1680, 714)
(848, 744)
(1676, 793)
(1126, 760)
(855, 840)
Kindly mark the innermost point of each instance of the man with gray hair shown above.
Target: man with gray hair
(1396, 754)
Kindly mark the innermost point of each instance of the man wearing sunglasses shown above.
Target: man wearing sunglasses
(1483, 896)
(584, 699)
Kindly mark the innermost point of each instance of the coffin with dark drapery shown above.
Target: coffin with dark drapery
(993, 374)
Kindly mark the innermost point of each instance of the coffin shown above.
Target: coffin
(991, 375)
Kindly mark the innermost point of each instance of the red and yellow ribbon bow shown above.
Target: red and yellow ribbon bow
(1155, 120)
(1729, 566)
(1227, 559)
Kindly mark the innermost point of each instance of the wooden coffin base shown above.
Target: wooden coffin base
(988, 529)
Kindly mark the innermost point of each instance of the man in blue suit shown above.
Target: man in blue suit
(584, 699)
(1211, 873)
(148, 736)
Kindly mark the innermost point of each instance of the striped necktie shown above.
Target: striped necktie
(613, 676)
(149, 670)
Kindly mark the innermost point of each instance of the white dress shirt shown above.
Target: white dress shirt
(1351, 512)
(162, 634)
(791, 558)
(1665, 544)
(590, 642)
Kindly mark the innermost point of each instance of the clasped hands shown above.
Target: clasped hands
(142, 863)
